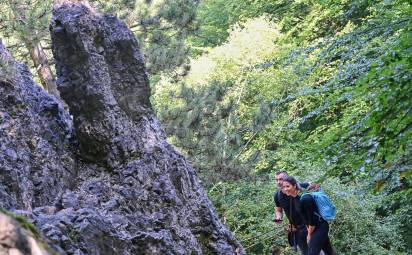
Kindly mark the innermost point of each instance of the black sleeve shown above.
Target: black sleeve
(304, 185)
(276, 198)
(308, 210)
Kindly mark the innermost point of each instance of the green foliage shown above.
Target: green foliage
(26, 20)
(300, 20)
(389, 86)
(247, 207)
(216, 18)
(24, 24)
(162, 28)
(204, 120)
(327, 95)
(306, 98)
(317, 88)
(357, 229)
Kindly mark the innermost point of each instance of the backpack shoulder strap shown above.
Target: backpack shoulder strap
(304, 194)
(313, 197)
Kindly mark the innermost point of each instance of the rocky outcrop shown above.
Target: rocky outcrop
(36, 162)
(102, 180)
(15, 239)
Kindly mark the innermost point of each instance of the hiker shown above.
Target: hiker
(297, 232)
(317, 227)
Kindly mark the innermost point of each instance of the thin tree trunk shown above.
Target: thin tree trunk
(42, 66)
(39, 58)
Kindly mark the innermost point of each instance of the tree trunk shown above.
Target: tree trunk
(43, 68)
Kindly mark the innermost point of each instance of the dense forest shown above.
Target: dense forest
(246, 88)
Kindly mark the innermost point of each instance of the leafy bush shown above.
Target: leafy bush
(319, 89)
(247, 208)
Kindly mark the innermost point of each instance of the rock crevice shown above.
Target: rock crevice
(102, 180)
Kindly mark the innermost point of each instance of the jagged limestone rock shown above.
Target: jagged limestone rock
(35, 136)
(109, 183)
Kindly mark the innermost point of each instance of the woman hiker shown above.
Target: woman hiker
(297, 231)
(317, 228)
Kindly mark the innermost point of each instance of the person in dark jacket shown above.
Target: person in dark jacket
(284, 203)
(317, 228)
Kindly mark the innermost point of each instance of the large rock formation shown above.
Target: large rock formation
(109, 183)
(36, 162)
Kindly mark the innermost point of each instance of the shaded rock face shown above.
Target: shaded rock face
(106, 182)
(103, 79)
(35, 136)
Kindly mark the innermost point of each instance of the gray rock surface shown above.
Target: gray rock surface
(104, 181)
(17, 240)
(36, 136)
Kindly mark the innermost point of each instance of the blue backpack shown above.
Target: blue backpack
(327, 209)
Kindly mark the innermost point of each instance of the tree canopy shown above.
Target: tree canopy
(321, 89)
